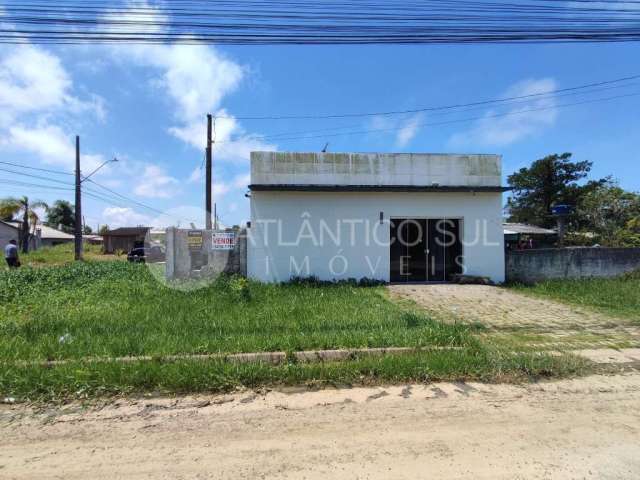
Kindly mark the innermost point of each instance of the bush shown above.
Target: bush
(314, 281)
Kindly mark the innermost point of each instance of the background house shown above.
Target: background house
(124, 239)
(92, 239)
(522, 235)
(158, 236)
(44, 236)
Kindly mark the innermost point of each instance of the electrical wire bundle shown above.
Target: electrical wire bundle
(270, 22)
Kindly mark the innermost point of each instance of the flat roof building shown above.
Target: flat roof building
(385, 216)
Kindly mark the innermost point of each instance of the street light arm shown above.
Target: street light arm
(108, 161)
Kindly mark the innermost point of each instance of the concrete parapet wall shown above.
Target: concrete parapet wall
(382, 169)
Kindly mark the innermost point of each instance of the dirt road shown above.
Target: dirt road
(585, 428)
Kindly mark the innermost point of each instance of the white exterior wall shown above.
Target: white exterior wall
(278, 219)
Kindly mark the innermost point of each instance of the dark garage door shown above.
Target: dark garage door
(425, 250)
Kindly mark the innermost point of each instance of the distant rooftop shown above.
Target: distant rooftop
(46, 232)
(127, 231)
(516, 228)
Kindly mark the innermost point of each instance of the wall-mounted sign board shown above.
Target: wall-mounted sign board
(195, 240)
(223, 241)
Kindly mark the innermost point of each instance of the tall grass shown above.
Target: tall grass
(111, 309)
(64, 253)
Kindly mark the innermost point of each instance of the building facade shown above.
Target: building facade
(124, 239)
(390, 217)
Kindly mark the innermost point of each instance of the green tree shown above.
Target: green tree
(103, 229)
(87, 230)
(612, 213)
(552, 180)
(24, 211)
(61, 215)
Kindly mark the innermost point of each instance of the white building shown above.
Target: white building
(391, 217)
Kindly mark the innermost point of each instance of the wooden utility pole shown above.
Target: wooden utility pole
(78, 205)
(208, 174)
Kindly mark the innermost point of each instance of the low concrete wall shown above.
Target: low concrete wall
(530, 266)
(181, 262)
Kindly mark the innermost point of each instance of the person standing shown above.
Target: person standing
(11, 254)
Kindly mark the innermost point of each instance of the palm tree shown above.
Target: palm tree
(12, 207)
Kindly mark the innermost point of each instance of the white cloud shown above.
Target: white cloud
(123, 217)
(34, 80)
(196, 176)
(232, 142)
(241, 181)
(408, 130)
(196, 78)
(51, 144)
(621, 4)
(31, 79)
(35, 92)
(156, 183)
(149, 20)
(404, 128)
(537, 114)
(220, 190)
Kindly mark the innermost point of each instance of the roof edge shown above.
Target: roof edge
(453, 154)
(373, 188)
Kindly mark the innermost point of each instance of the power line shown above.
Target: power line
(28, 184)
(306, 22)
(434, 108)
(275, 136)
(60, 172)
(159, 212)
(122, 201)
(448, 122)
(39, 177)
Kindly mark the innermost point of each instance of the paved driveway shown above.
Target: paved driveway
(503, 310)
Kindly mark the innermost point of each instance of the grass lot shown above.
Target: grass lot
(112, 309)
(62, 254)
(118, 309)
(619, 297)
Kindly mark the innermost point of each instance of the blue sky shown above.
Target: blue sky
(146, 105)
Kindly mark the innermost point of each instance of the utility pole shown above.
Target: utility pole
(79, 218)
(208, 174)
(78, 206)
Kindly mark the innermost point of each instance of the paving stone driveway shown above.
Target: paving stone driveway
(503, 310)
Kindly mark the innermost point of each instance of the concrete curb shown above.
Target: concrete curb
(273, 358)
(628, 355)
(312, 356)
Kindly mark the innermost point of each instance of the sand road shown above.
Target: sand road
(583, 428)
